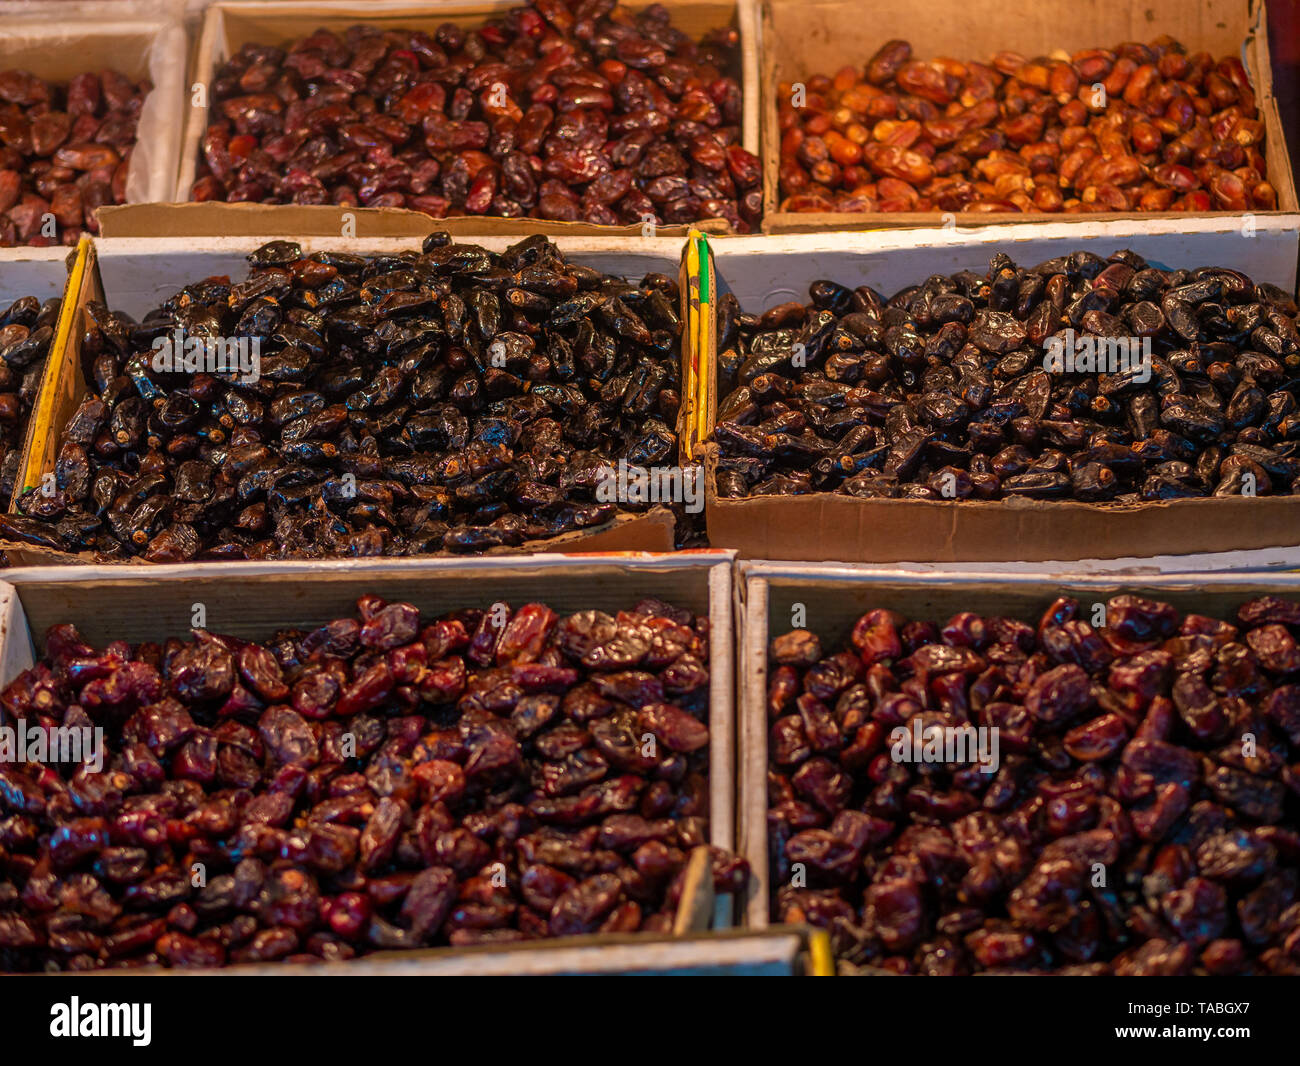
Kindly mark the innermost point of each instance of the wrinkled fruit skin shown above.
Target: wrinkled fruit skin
(451, 400)
(1140, 818)
(952, 389)
(27, 328)
(1139, 127)
(490, 776)
(64, 151)
(561, 110)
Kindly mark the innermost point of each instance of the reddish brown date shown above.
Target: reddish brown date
(560, 110)
(1140, 127)
(420, 816)
(64, 152)
(1124, 800)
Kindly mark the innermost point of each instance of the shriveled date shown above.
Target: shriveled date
(1077, 800)
(562, 109)
(381, 782)
(65, 151)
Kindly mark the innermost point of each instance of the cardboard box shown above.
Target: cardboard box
(254, 600)
(60, 41)
(834, 597)
(802, 38)
(135, 275)
(764, 271)
(216, 219)
(230, 25)
(790, 951)
(39, 272)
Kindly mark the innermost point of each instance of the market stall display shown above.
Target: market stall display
(1136, 127)
(448, 399)
(819, 499)
(964, 775)
(1078, 377)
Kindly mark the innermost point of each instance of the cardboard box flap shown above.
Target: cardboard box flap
(214, 219)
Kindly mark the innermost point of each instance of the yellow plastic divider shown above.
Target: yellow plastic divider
(700, 334)
(40, 427)
(821, 959)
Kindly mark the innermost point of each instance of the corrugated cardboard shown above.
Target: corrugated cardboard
(228, 26)
(834, 597)
(837, 528)
(725, 953)
(802, 38)
(136, 274)
(254, 600)
(215, 219)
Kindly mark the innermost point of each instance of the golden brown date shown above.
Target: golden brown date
(1107, 129)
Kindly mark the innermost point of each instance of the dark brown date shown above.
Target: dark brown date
(451, 399)
(1105, 381)
(27, 329)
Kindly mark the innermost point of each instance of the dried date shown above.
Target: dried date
(64, 152)
(451, 399)
(557, 111)
(1105, 381)
(420, 815)
(1087, 817)
(1138, 127)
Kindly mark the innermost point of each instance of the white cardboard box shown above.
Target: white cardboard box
(765, 271)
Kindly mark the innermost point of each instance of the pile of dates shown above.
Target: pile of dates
(1134, 128)
(27, 328)
(950, 389)
(64, 151)
(454, 399)
(1140, 817)
(565, 109)
(377, 783)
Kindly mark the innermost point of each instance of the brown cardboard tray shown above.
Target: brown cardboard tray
(834, 597)
(830, 527)
(802, 38)
(230, 24)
